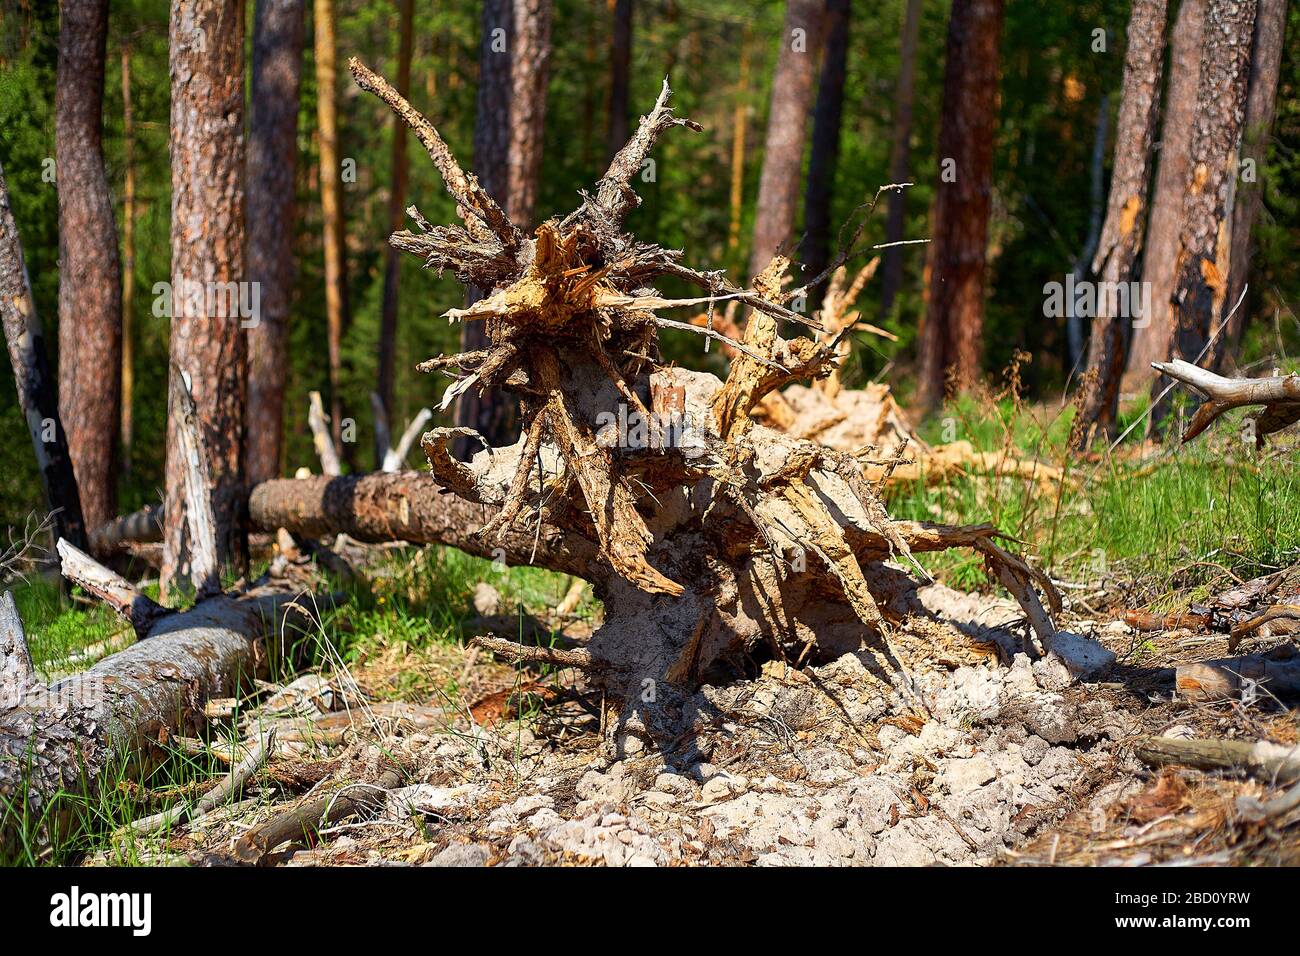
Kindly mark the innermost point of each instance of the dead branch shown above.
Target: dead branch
(1280, 396)
(1264, 760)
(320, 436)
(82, 570)
(517, 653)
(17, 675)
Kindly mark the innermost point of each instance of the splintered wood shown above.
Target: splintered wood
(713, 533)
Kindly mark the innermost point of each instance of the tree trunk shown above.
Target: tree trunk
(1074, 339)
(62, 742)
(793, 86)
(90, 276)
(514, 66)
(278, 33)
(1152, 341)
(396, 217)
(620, 77)
(1121, 236)
(822, 164)
(208, 345)
(1261, 97)
(128, 264)
(739, 125)
(36, 393)
(900, 157)
(331, 200)
(951, 336)
(1202, 270)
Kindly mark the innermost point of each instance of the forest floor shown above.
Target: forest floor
(993, 760)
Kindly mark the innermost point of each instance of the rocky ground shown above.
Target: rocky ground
(990, 757)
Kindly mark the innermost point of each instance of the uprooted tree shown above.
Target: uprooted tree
(707, 535)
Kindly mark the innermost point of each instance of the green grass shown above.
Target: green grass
(1174, 518)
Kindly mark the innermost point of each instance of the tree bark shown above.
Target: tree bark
(620, 78)
(396, 218)
(510, 111)
(331, 198)
(900, 157)
(951, 336)
(1152, 341)
(207, 239)
(1202, 270)
(63, 742)
(278, 35)
(1261, 98)
(36, 393)
(793, 87)
(1121, 236)
(824, 161)
(90, 275)
(128, 265)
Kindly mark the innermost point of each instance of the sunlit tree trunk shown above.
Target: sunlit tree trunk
(793, 88)
(1121, 236)
(1202, 270)
(208, 347)
(951, 336)
(90, 275)
(1152, 339)
(1261, 98)
(128, 264)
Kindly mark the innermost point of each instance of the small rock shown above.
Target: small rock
(462, 854)
(1082, 655)
(962, 776)
(487, 599)
(723, 786)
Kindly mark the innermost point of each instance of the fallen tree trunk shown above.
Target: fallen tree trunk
(66, 739)
(1226, 679)
(1260, 759)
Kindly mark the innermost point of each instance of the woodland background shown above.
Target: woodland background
(719, 55)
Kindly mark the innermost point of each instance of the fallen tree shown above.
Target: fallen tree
(59, 744)
(710, 537)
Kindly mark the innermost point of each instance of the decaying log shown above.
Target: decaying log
(1227, 678)
(1280, 396)
(68, 737)
(1262, 759)
(139, 527)
(17, 675)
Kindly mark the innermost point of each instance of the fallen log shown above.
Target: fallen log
(59, 743)
(1261, 759)
(1228, 678)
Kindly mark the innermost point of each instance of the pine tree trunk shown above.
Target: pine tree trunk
(128, 265)
(90, 275)
(825, 145)
(278, 36)
(793, 87)
(32, 375)
(331, 198)
(900, 158)
(1152, 341)
(1121, 236)
(207, 241)
(1261, 98)
(396, 217)
(620, 76)
(1201, 284)
(509, 115)
(951, 337)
